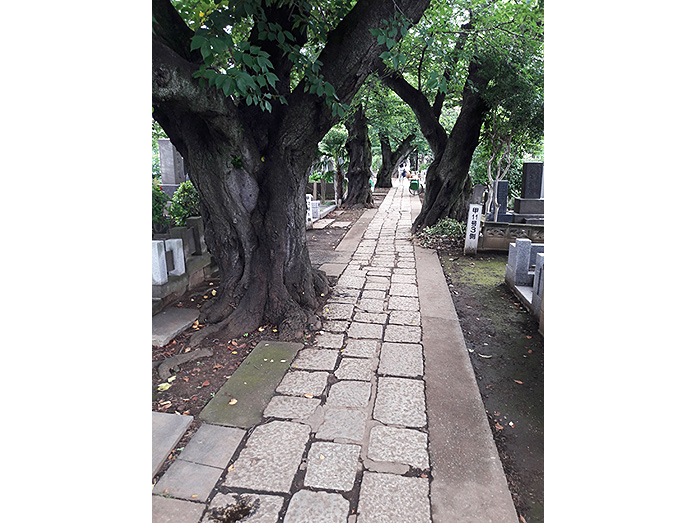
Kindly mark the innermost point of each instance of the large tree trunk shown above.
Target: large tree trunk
(250, 167)
(448, 184)
(392, 159)
(360, 160)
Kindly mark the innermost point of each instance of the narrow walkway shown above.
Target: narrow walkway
(379, 420)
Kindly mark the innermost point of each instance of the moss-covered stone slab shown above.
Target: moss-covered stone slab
(252, 385)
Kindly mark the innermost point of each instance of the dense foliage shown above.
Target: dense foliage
(185, 203)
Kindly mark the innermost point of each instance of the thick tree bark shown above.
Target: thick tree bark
(360, 160)
(392, 159)
(250, 167)
(448, 184)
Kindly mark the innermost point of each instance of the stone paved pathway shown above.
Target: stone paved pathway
(345, 436)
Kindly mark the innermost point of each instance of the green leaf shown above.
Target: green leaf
(197, 41)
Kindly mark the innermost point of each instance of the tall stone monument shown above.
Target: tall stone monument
(172, 167)
(530, 207)
(501, 188)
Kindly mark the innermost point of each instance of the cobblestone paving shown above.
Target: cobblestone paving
(345, 437)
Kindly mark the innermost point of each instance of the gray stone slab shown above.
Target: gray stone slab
(372, 294)
(404, 278)
(270, 458)
(329, 340)
(379, 271)
(333, 269)
(338, 326)
(365, 330)
(391, 498)
(167, 430)
(212, 445)
(170, 510)
(291, 407)
(401, 270)
(332, 466)
(403, 303)
(403, 289)
(316, 359)
(397, 445)
(352, 282)
(361, 348)
(265, 509)
(252, 385)
(369, 305)
(400, 401)
(307, 506)
(343, 295)
(403, 333)
(360, 369)
(186, 480)
(338, 311)
(171, 322)
(405, 318)
(349, 394)
(300, 382)
(342, 424)
(370, 317)
(401, 359)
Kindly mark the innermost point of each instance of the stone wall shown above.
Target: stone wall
(496, 236)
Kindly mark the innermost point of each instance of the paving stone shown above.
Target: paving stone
(300, 382)
(403, 333)
(212, 445)
(349, 394)
(355, 369)
(335, 325)
(316, 359)
(170, 510)
(307, 506)
(361, 348)
(171, 322)
(379, 271)
(401, 270)
(401, 359)
(373, 294)
(167, 430)
(379, 262)
(406, 264)
(186, 480)
(405, 318)
(365, 330)
(252, 384)
(369, 305)
(270, 458)
(404, 289)
(338, 311)
(266, 508)
(332, 466)
(376, 286)
(387, 497)
(370, 317)
(400, 401)
(343, 295)
(403, 303)
(329, 340)
(291, 407)
(343, 424)
(341, 225)
(403, 278)
(351, 282)
(397, 445)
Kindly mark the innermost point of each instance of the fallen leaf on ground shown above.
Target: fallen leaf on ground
(170, 380)
(308, 395)
(164, 386)
(213, 293)
(498, 427)
(518, 382)
(232, 401)
(217, 366)
(205, 383)
(483, 355)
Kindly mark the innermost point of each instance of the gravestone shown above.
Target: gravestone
(529, 208)
(478, 193)
(503, 215)
(172, 167)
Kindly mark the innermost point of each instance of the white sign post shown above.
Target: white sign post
(474, 219)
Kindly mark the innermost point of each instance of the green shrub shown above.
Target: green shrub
(444, 232)
(185, 203)
(159, 202)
